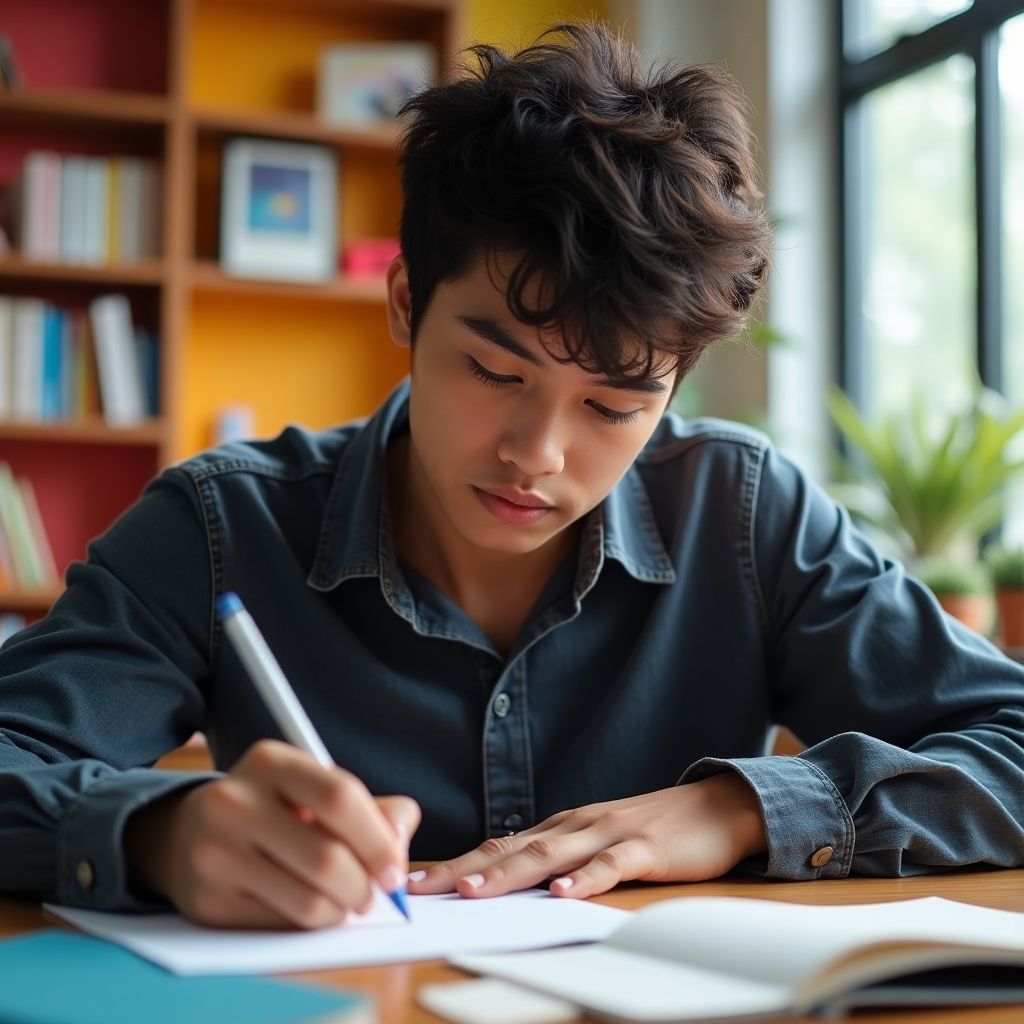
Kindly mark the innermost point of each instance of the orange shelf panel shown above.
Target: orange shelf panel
(83, 107)
(208, 277)
(29, 600)
(303, 127)
(145, 272)
(84, 431)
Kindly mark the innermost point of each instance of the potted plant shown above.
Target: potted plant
(1006, 569)
(962, 588)
(933, 483)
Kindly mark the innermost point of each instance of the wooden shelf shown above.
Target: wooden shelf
(208, 277)
(85, 107)
(144, 272)
(301, 127)
(94, 430)
(29, 600)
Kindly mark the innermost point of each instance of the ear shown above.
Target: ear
(399, 303)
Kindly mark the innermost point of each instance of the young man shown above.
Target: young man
(555, 618)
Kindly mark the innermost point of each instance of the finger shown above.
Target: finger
(233, 883)
(537, 859)
(618, 863)
(441, 877)
(341, 803)
(314, 857)
(404, 815)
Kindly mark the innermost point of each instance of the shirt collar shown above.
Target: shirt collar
(354, 534)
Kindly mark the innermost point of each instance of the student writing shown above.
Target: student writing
(552, 617)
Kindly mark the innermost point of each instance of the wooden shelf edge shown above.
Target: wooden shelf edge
(93, 430)
(14, 266)
(206, 276)
(299, 126)
(24, 600)
(90, 105)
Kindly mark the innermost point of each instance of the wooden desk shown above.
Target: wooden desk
(394, 986)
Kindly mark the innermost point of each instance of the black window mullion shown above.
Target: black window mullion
(988, 207)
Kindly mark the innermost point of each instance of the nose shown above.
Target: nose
(532, 442)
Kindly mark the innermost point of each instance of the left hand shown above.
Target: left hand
(684, 834)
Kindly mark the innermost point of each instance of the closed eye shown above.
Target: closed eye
(492, 380)
(613, 415)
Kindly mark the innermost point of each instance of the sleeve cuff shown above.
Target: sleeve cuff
(91, 869)
(808, 827)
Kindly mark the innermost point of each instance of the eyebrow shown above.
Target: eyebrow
(491, 331)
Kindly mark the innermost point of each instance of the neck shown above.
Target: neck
(462, 571)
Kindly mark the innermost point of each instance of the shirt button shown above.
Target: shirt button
(514, 822)
(821, 857)
(85, 875)
(502, 703)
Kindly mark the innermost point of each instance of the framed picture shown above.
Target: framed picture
(366, 83)
(278, 210)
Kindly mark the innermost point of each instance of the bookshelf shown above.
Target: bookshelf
(170, 81)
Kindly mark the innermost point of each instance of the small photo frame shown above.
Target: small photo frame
(278, 210)
(363, 84)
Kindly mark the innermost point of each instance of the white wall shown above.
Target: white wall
(782, 53)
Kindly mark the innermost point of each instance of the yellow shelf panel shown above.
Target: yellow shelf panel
(315, 363)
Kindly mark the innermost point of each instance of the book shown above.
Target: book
(56, 977)
(29, 571)
(6, 355)
(122, 390)
(34, 201)
(37, 530)
(27, 359)
(717, 959)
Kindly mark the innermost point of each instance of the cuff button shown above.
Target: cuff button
(85, 874)
(821, 857)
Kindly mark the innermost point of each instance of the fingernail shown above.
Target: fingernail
(473, 881)
(564, 883)
(390, 878)
(417, 876)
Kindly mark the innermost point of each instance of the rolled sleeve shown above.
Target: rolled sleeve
(808, 827)
(91, 870)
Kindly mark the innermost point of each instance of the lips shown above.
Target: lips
(514, 497)
(516, 508)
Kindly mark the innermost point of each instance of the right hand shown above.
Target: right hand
(280, 841)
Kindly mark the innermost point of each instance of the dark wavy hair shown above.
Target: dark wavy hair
(627, 195)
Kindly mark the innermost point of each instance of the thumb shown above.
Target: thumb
(403, 814)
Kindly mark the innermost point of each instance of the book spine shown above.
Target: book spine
(43, 553)
(28, 569)
(114, 202)
(131, 196)
(50, 405)
(27, 359)
(117, 360)
(95, 210)
(6, 355)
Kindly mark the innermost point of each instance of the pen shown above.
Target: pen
(278, 694)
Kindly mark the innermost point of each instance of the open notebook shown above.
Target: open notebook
(699, 959)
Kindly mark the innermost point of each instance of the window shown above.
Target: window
(933, 201)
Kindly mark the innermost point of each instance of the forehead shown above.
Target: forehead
(479, 301)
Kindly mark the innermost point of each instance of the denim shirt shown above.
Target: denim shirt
(714, 593)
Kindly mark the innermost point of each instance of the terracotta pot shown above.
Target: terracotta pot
(973, 610)
(1011, 617)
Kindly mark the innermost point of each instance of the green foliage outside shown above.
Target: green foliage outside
(960, 579)
(932, 483)
(1006, 567)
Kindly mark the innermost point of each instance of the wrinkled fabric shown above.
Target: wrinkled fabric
(715, 593)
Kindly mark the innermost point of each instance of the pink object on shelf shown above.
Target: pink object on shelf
(369, 257)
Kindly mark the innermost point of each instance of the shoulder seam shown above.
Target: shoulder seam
(680, 446)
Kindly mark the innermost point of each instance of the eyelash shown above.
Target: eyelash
(500, 380)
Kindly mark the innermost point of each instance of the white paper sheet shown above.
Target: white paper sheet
(441, 926)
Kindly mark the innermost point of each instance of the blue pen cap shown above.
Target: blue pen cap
(228, 604)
